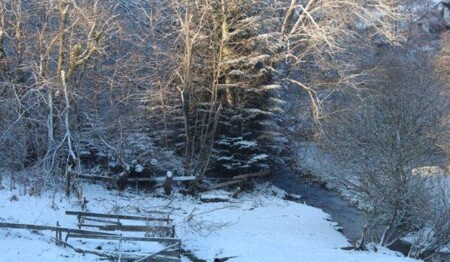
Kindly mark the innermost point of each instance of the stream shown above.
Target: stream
(351, 219)
(348, 217)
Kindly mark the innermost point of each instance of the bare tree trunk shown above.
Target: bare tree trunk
(68, 134)
(19, 72)
(3, 63)
(50, 135)
(72, 159)
(62, 36)
(67, 180)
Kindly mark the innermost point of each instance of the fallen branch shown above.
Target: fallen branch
(206, 212)
(214, 199)
(236, 180)
(257, 174)
(191, 215)
(224, 184)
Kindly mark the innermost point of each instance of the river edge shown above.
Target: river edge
(351, 221)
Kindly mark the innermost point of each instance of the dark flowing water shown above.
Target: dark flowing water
(351, 219)
(314, 195)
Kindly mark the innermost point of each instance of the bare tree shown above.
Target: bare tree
(428, 241)
(45, 48)
(199, 78)
(320, 38)
(383, 133)
(216, 47)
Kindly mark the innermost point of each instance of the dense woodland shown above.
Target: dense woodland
(218, 88)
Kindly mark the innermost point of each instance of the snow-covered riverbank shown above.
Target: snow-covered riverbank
(258, 226)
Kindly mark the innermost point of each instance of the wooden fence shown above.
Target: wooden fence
(171, 251)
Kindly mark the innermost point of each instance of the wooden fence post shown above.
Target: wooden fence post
(84, 204)
(168, 183)
(58, 236)
(137, 184)
(79, 221)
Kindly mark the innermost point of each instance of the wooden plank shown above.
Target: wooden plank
(88, 225)
(50, 228)
(136, 228)
(161, 179)
(245, 176)
(127, 217)
(28, 226)
(97, 178)
(100, 220)
(131, 256)
(117, 237)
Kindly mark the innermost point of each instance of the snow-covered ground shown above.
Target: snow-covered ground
(258, 226)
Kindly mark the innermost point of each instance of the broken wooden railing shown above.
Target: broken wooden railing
(171, 251)
(113, 222)
(57, 229)
(139, 179)
(236, 180)
(112, 182)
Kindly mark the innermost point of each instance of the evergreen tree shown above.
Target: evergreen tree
(249, 85)
(226, 52)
